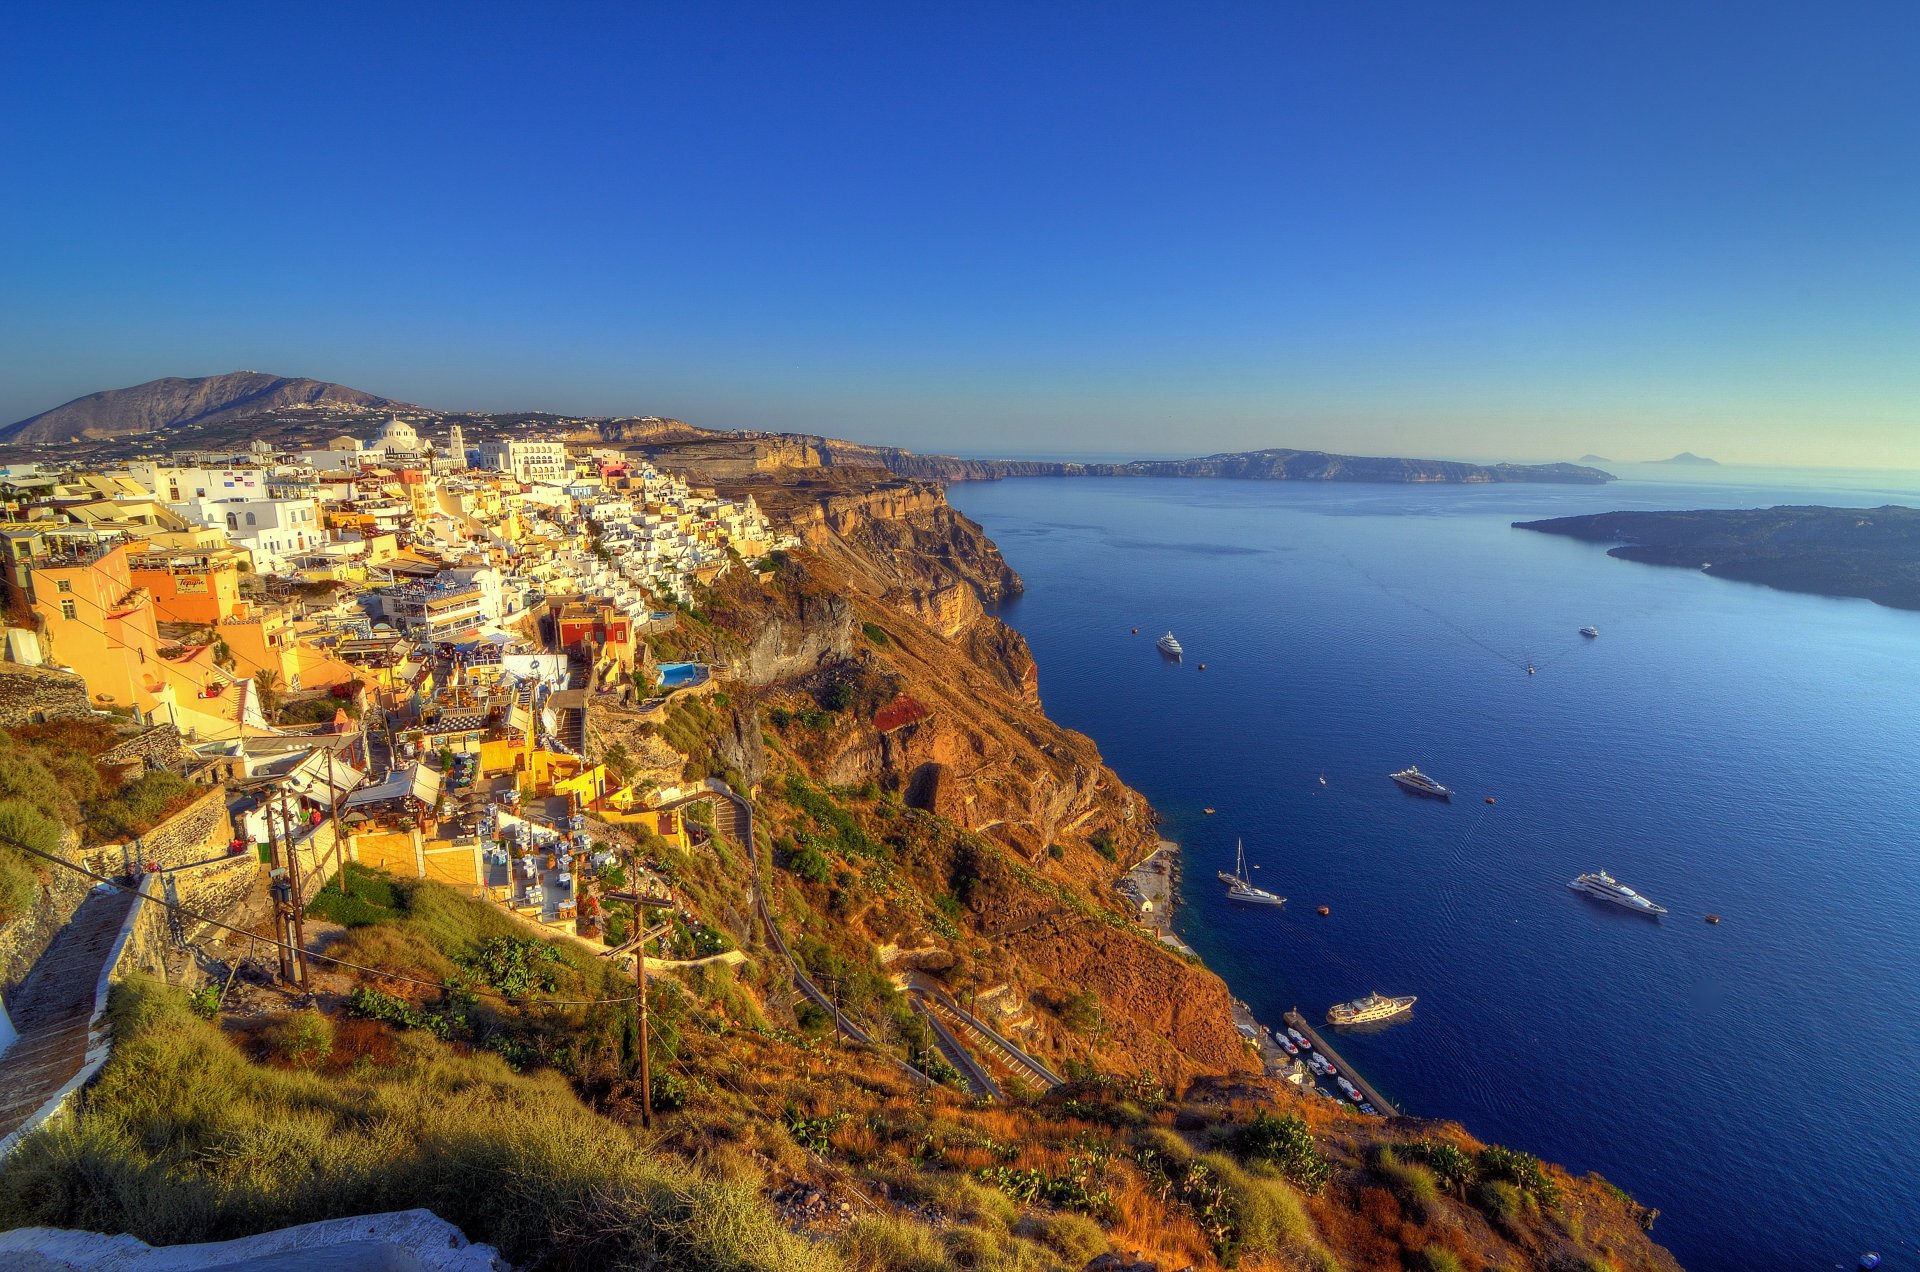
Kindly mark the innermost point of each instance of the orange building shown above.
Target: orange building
(188, 587)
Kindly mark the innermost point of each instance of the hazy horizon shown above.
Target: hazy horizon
(1394, 231)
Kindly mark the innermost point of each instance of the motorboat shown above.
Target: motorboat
(1604, 887)
(1411, 778)
(1590, 632)
(1365, 1010)
(1168, 646)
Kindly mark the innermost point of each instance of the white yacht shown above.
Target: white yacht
(1240, 888)
(1589, 631)
(1600, 884)
(1168, 646)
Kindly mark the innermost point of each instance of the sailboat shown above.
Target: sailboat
(1240, 888)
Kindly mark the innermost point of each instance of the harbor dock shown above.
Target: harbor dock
(1295, 1020)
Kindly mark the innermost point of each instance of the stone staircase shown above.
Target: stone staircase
(53, 1009)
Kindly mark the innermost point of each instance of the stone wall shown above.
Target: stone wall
(25, 937)
(30, 695)
(200, 831)
(158, 748)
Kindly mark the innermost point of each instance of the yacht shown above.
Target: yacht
(1607, 888)
(1168, 646)
(1240, 888)
(1420, 784)
(1362, 1010)
(1589, 631)
(1296, 1035)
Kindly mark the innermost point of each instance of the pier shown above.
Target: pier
(1379, 1101)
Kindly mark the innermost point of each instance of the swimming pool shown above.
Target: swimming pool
(679, 675)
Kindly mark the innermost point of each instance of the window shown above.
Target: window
(63, 585)
(249, 518)
(67, 610)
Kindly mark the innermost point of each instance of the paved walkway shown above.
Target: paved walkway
(54, 1008)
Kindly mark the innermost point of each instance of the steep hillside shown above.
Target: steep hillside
(168, 403)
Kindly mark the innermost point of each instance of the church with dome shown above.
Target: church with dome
(397, 440)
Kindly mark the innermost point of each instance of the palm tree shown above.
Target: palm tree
(266, 683)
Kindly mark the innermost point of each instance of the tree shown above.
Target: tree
(266, 683)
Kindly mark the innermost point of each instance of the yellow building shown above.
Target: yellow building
(98, 623)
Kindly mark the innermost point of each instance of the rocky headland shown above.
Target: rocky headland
(1870, 553)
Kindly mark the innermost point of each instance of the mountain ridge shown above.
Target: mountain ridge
(172, 401)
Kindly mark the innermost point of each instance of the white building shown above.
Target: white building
(274, 531)
(528, 461)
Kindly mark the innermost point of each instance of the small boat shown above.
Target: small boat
(1324, 910)
(1288, 1044)
(1209, 811)
(1203, 666)
(1240, 888)
(1136, 631)
(1420, 784)
(1323, 777)
(1347, 1088)
(1713, 918)
(1530, 669)
(1169, 646)
(1367, 1108)
(1492, 800)
(1590, 632)
(1296, 1035)
(1375, 1006)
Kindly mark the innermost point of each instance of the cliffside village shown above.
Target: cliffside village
(379, 650)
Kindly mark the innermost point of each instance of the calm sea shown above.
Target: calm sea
(1724, 748)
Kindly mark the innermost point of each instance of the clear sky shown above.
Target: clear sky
(1492, 230)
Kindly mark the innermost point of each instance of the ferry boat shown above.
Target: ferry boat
(1589, 631)
(1239, 888)
(1362, 1010)
(1605, 887)
(1420, 784)
(1168, 646)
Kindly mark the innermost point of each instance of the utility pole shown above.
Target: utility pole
(299, 896)
(282, 892)
(640, 905)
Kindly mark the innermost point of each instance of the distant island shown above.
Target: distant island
(1593, 459)
(1869, 553)
(1261, 465)
(1685, 458)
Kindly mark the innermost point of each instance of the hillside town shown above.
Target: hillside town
(380, 649)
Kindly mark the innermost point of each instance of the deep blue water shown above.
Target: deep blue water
(1722, 747)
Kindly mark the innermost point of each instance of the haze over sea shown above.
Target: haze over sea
(1722, 747)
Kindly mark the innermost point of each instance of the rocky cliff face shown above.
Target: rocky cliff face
(888, 606)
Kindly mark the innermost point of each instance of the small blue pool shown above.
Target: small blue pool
(680, 675)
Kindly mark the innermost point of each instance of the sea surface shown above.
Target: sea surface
(1722, 747)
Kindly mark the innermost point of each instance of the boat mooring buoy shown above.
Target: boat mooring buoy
(1203, 666)
(1323, 910)
(1136, 631)
(1713, 918)
(1491, 800)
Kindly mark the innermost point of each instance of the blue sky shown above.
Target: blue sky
(1489, 230)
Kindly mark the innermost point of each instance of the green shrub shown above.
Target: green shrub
(1436, 1259)
(369, 898)
(1287, 1145)
(875, 633)
(205, 1002)
(304, 1039)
